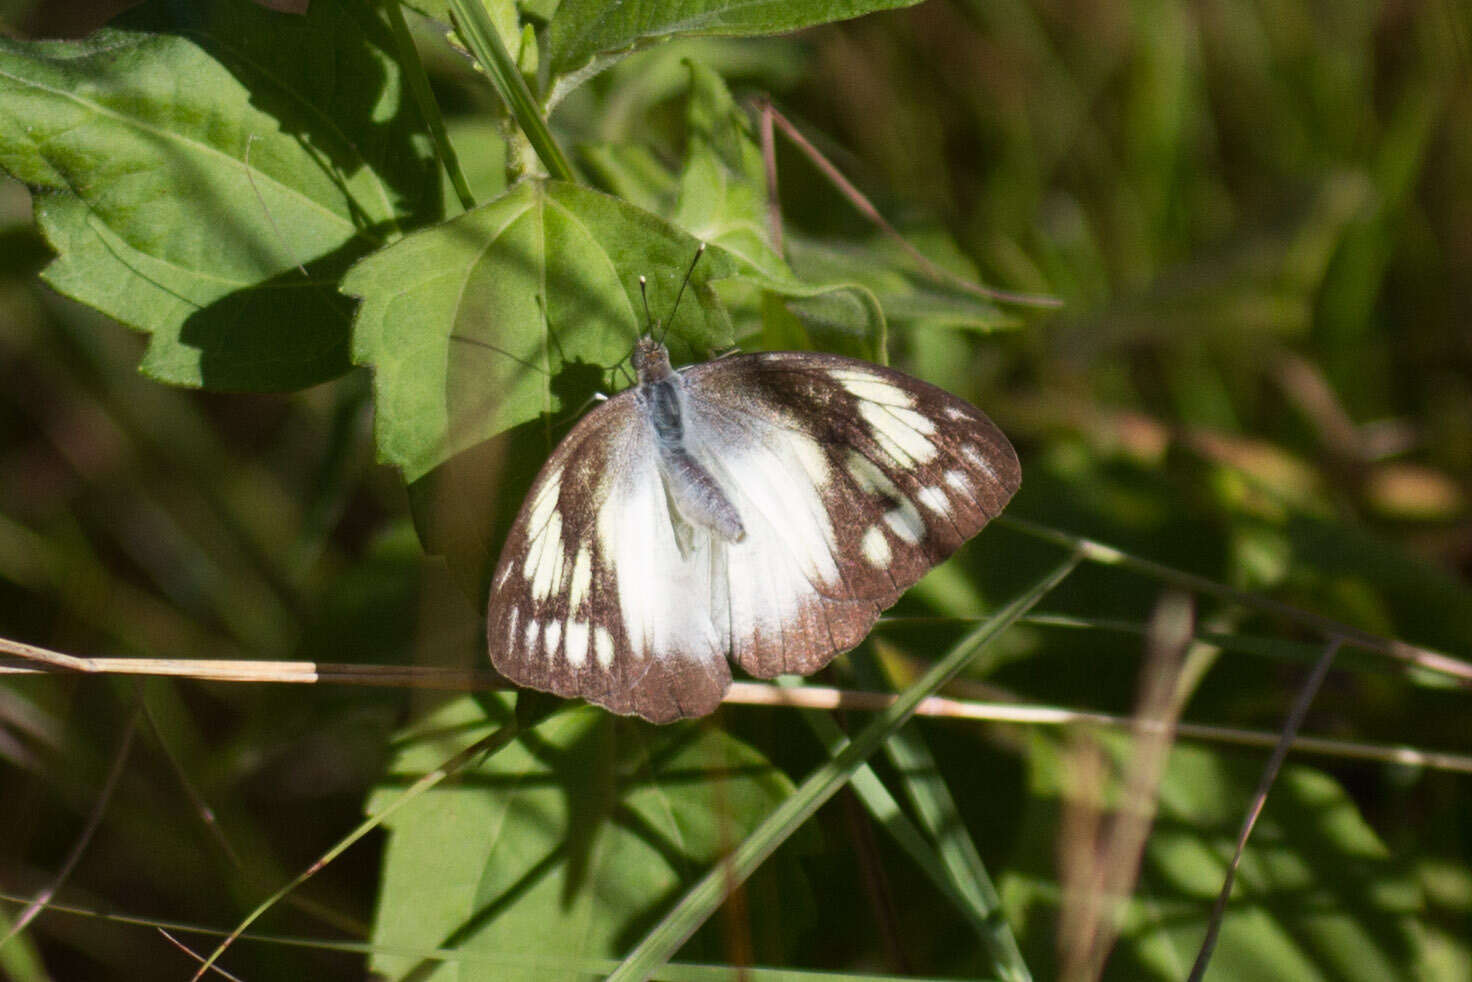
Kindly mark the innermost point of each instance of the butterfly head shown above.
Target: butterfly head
(651, 360)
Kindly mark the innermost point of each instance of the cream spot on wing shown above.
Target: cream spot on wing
(549, 559)
(868, 476)
(935, 499)
(919, 422)
(958, 482)
(603, 646)
(871, 387)
(975, 458)
(532, 630)
(511, 627)
(810, 454)
(904, 445)
(560, 559)
(903, 518)
(875, 547)
(957, 413)
(543, 511)
(905, 522)
(577, 643)
(582, 578)
(545, 501)
(552, 636)
(533, 556)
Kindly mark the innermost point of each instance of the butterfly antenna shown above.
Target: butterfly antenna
(683, 283)
(622, 365)
(644, 294)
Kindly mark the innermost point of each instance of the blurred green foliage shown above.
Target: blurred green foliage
(1257, 215)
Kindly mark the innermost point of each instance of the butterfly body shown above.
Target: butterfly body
(761, 508)
(696, 497)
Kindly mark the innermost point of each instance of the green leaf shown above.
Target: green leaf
(496, 318)
(632, 171)
(185, 173)
(1317, 896)
(723, 195)
(906, 297)
(586, 36)
(723, 199)
(545, 858)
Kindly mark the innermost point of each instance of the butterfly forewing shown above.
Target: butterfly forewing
(855, 480)
(851, 481)
(576, 604)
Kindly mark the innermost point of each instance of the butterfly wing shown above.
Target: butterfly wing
(592, 597)
(853, 480)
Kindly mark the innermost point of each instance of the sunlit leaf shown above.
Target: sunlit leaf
(583, 29)
(479, 324)
(206, 177)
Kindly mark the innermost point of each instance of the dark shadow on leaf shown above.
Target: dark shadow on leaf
(287, 332)
(464, 508)
(322, 77)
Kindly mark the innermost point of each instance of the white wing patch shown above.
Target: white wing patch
(582, 579)
(769, 587)
(900, 433)
(545, 561)
(603, 647)
(813, 458)
(575, 647)
(934, 499)
(543, 565)
(905, 522)
(902, 517)
(663, 598)
(866, 386)
(876, 547)
(977, 459)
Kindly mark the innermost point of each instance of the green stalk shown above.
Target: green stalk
(480, 36)
(424, 98)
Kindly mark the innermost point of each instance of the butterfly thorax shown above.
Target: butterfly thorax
(695, 497)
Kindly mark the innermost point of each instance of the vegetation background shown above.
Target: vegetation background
(1258, 216)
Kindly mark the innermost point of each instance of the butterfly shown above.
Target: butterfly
(758, 508)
